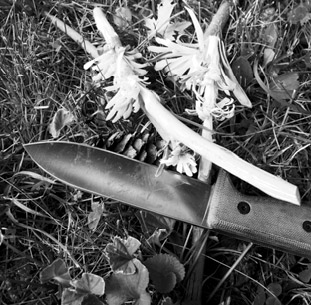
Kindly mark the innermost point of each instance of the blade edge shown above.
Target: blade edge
(127, 180)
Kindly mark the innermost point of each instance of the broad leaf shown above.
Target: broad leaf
(89, 284)
(284, 85)
(270, 35)
(275, 288)
(305, 275)
(56, 271)
(300, 14)
(96, 214)
(121, 287)
(91, 299)
(165, 271)
(268, 56)
(273, 301)
(242, 70)
(260, 297)
(61, 118)
(71, 297)
(120, 254)
(122, 17)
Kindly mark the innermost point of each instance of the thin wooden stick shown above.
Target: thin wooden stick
(194, 293)
(170, 128)
(220, 18)
(229, 271)
(85, 44)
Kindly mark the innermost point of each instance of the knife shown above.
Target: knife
(263, 220)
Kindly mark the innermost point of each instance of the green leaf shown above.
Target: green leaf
(120, 254)
(243, 71)
(71, 297)
(260, 297)
(56, 271)
(270, 35)
(94, 217)
(165, 271)
(268, 56)
(305, 275)
(91, 299)
(284, 85)
(90, 284)
(61, 118)
(122, 17)
(275, 288)
(122, 287)
(273, 301)
(299, 14)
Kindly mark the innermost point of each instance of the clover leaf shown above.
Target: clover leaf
(121, 252)
(121, 287)
(165, 271)
(56, 271)
(90, 284)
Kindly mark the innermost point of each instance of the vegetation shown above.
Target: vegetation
(56, 240)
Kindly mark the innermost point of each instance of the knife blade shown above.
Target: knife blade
(264, 220)
(118, 177)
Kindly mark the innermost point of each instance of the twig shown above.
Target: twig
(196, 278)
(230, 271)
(86, 45)
(172, 129)
(220, 18)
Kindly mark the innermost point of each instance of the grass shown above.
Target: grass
(42, 69)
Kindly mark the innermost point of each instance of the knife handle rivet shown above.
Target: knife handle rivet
(243, 207)
(307, 226)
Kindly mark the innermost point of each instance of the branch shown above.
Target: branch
(219, 19)
(169, 126)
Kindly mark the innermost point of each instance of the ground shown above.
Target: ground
(42, 70)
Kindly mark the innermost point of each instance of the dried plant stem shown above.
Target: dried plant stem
(197, 275)
(220, 18)
(215, 27)
(243, 254)
(196, 278)
(206, 164)
(75, 36)
(170, 128)
(196, 272)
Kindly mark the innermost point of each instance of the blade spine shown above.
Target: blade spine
(111, 153)
(116, 154)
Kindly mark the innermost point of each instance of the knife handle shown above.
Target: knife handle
(263, 220)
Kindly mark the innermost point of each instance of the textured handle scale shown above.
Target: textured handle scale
(263, 220)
